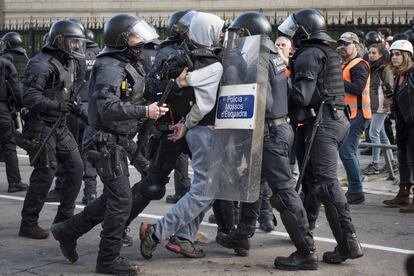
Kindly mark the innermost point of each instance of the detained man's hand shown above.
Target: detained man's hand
(179, 130)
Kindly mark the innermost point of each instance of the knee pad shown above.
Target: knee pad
(152, 191)
(289, 218)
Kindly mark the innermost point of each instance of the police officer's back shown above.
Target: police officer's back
(10, 101)
(318, 97)
(15, 52)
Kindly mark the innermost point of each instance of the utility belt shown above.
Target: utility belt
(334, 112)
(105, 152)
(272, 124)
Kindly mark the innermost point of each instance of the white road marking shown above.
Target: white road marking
(275, 233)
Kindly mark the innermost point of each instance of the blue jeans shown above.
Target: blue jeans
(378, 135)
(349, 153)
(185, 217)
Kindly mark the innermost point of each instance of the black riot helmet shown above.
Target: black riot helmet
(13, 42)
(45, 39)
(399, 36)
(123, 31)
(305, 25)
(68, 37)
(179, 23)
(90, 37)
(247, 24)
(410, 36)
(372, 37)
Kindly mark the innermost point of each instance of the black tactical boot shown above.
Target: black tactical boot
(53, 196)
(17, 187)
(240, 243)
(67, 241)
(297, 261)
(267, 226)
(88, 198)
(351, 249)
(33, 232)
(172, 199)
(120, 266)
(127, 240)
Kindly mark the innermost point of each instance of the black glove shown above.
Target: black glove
(66, 106)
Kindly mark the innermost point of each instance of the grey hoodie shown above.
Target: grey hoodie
(205, 29)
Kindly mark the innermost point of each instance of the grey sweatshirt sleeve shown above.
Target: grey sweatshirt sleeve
(205, 82)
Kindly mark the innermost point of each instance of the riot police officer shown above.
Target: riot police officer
(116, 87)
(152, 186)
(317, 99)
(47, 94)
(10, 102)
(276, 164)
(15, 52)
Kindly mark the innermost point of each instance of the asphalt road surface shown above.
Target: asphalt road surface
(386, 234)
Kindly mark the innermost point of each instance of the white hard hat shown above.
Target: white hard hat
(402, 45)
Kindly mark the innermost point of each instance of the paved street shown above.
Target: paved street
(387, 236)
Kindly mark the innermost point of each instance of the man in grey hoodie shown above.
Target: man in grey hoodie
(181, 223)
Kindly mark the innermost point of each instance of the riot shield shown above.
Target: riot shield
(236, 155)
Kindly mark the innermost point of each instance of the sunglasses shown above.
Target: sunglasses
(344, 43)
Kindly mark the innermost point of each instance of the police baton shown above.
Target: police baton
(57, 123)
(142, 142)
(305, 160)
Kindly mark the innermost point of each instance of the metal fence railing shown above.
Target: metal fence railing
(32, 29)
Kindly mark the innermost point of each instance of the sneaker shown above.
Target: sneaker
(355, 198)
(120, 266)
(127, 240)
(17, 187)
(371, 169)
(184, 247)
(394, 167)
(148, 240)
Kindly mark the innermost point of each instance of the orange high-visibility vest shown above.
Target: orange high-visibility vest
(352, 100)
(288, 73)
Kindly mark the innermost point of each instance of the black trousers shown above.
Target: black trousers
(405, 145)
(61, 150)
(181, 180)
(112, 207)
(8, 145)
(320, 183)
(78, 128)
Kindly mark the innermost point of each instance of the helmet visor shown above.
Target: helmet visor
(289, 26)
(144, 31)
(229, 37)
(183, 24)
(75, 46)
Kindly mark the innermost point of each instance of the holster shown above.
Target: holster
(104, 153)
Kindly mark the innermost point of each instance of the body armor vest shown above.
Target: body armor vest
(277, 97)
(60, 87)
(90, 58)
(330, 85)
(130, 90)
(19, 61)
